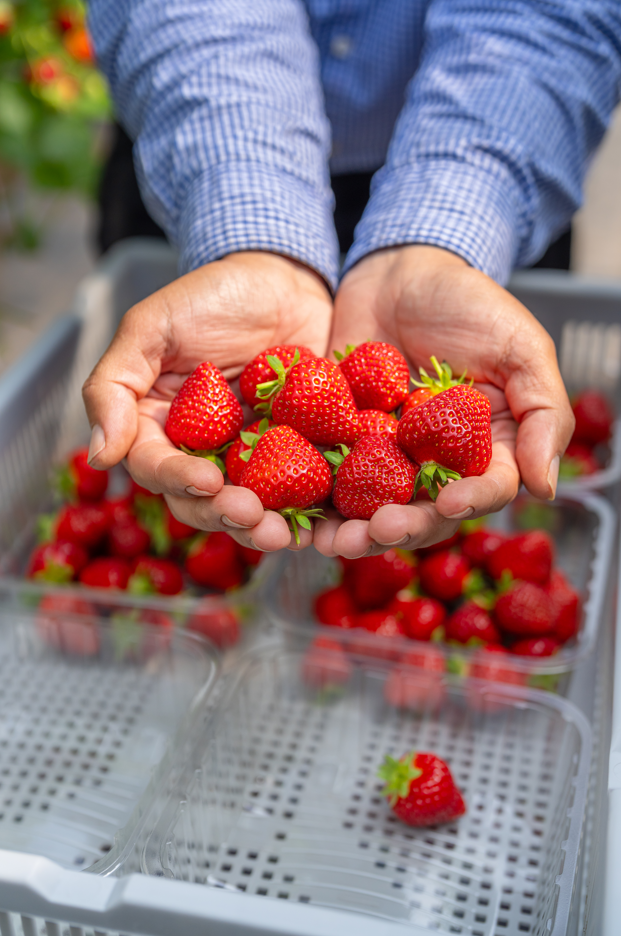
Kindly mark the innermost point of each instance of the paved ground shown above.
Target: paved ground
(36, 288)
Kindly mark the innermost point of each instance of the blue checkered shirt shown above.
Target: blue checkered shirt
(482, 115)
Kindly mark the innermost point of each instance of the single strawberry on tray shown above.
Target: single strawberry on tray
(420, 789)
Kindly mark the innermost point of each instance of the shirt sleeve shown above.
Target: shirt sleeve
(489, 153)
(224, 103)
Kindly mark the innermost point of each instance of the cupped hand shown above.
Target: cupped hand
(225, 312)
(425, 300)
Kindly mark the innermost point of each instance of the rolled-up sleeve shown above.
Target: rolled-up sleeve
(490, 151)
(223, 101)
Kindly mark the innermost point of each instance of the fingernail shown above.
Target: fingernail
(97, 444)
(367, 553)
(461, 516)
(254, 546)
(196, 493)
(401, 542)
(553, 476)
(236, 526)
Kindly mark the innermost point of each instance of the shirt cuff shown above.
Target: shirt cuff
(246, 206)
(471, 211)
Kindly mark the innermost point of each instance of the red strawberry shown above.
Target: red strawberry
(205, 414)
(490, 663)
(416, 683)
(415, 398)
(525, 610)
(420, 789)
(78, 481)
(374, 473)
(313, 398)
(577, 461)
(106, 573)
(289, 475)
(377, 624)
(594, 418)
(120, 509)
(420, 616)
(376, 422)
(335, 607)
(177, 529)
(471, 625)
(151, 575)
(449, 436)
(259, 370)
(566, 607)
(245, 442)
(218, 624)
(527, 556)
(374, 580)
(248, 556)
(57, 562)
(479, 545)
(377, 374)
(325, 664)
(536, 647)
(67, 623)
(84, 524)
(213, 562)
(382, 623)
(128, 539)
(446, 575)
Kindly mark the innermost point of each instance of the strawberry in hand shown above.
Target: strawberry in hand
(374, 473)
(238, 455)
(377, 374)
(259, 370)
(420, 789)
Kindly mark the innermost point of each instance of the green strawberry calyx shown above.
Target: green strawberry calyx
(398, 776)
(56, 572)
(149, 512)
(570, 468)
(298, 517)
(433, 476)
(46, 524)
(444, 380)
(140, 584)
(336, 459)
(348, 350)
(267, 390)
(251, 438)
(65, 483)
(211, 455)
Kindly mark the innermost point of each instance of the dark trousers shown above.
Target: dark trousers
(122, 213)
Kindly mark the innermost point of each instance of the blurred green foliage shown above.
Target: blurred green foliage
(52, 98)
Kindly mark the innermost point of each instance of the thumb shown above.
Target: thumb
(542, 438)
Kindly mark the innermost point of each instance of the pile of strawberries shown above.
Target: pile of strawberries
(129, 543)
(482, 588)
(594, 422)
(351, 431)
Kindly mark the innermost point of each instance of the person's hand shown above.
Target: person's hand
(225, 312)
(428, 301)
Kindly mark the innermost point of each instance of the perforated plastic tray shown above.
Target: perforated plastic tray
(282, 800)
(83, 739)
(583, 528)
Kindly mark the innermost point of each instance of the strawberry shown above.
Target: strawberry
(60, 561)
(259, 370)
(376, 422)
(85, 524)
(335, 607)
(446, 575)
(416, 682)
(374, 473)
(526, 556)
(120, 509)
(377, 373)
(490, 663)
(325, 665)
(374, 580)
(578, 460)
(128, 539)
(177, 529)
(313, 398)
(594, 418)
(471, 625)
(536, 647)
(566, 607)
(377, 624)
(67, 623)
(106, 573)
(238, 455)
(415, 398)
(525, 610)
(420, 789)
(151, 575)
(449, 435)
(205, 415)
(382, 623)
(212, 562)
(289, 475)
(78, 481)
(421, 617)
(479, 545)
(218, 624)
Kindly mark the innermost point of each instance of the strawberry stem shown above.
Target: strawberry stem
(295, 516)
(251, 438)
(267, 390)
(211, 456)
(398, 775)
(433, 476)
(336, 459)
(444, 380)
(348, 350)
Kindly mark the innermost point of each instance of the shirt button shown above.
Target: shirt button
(341, 46)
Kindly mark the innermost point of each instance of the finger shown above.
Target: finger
(410, 527)
(490, 492)
(268, 533)
(542, 438)
(325, 531)
(352, 539)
